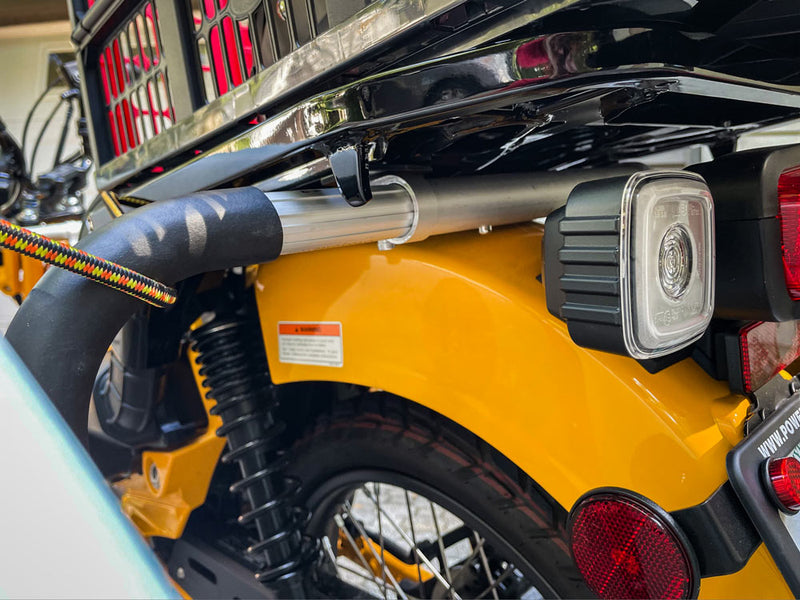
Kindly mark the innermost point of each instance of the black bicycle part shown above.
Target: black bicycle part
(234, 365)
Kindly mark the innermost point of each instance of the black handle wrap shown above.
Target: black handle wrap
(73, 319)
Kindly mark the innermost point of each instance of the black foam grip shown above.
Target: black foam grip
(65, 326)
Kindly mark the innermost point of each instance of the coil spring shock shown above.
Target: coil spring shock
(233, 361)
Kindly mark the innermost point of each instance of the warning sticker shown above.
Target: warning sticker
(304, 343)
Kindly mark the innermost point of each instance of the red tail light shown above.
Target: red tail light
(626, 547)
(783, 478)
(789, 215)
(767, 348)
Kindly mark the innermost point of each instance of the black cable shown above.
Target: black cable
(36, 104)
(42, 132)
(64, 131)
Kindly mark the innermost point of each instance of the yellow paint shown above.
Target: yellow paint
(370, 552)
(19, 273)
(9, 272)
(32, 270)
(760, 578)
(459, 324)
(112, 204)
(183, 474)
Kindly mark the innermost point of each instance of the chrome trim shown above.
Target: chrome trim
(317, 219)
(378, 23)
(383, 105)
(311, 171)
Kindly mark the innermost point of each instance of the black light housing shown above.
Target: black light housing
(750, 280)
(629, 263)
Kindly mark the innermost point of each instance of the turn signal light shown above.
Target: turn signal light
(627, 547)
(789, 216)
(767, 348)
(783, 479)
(629, 263)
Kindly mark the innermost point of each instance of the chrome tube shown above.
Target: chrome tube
(316, 219)
(412, 208)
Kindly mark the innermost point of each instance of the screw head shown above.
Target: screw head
(153, 475)
(384, 245)
(180, 573)
(484, 229)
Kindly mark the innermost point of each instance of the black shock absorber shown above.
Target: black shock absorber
(233, 361)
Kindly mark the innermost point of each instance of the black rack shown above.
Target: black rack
(147, 64)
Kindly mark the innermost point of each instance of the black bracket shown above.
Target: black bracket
(350, 170)
(768, 398)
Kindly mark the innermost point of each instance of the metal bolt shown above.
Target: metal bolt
(155, 481)
(180, 573)
(384, 245)
(484, 229)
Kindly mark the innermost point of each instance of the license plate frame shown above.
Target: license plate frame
(745, 463)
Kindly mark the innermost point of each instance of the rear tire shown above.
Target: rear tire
(381, 438)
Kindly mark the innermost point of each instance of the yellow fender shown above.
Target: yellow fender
(459, 324)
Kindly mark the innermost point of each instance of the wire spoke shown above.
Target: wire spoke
(439, 541)
(508, 570)
(485, 563)
(343, 528)
(413, 536)
(329, 553)
(377, 487)
(367, 541)
(414, 547)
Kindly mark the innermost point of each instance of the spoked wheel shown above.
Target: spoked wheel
(393, 541)
(409, 505)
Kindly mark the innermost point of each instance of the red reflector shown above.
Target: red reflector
(625, 548)
(789, 216)
(784, 477)
(766, 349)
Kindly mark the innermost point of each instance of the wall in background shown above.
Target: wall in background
(23, 70)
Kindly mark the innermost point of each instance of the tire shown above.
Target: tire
(379, 437)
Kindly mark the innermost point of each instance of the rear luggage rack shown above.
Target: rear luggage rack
(210, 47)
(134, 82)
(150, 114)
(233, 46)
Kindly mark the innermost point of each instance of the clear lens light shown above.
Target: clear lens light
(675, 262)
(666, 262)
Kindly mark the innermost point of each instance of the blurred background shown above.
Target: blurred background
(31, 30)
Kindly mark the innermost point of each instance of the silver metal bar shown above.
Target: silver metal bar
(377, 487)
(412, 209)
(318, 219)
(485, 563)
(413, 536)
(328, 549)
(440, 543)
